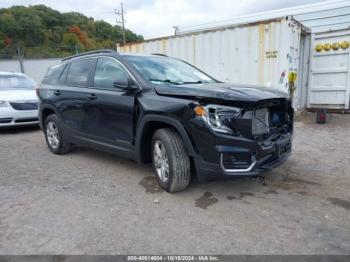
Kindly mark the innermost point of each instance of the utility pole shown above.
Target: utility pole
(176, 28)
(20, 59)
(120, 19)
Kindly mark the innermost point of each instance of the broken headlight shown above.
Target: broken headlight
(218, 117)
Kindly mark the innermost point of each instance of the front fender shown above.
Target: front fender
(168, 121)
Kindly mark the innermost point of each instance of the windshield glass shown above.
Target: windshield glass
(163, 70)
(16, 82)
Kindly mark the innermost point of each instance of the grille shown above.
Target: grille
(235, 161)
(24, 105)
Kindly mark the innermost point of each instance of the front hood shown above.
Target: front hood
(222, 91)
(18, 95)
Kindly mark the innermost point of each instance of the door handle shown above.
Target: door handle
(92, 96)
(57, 92)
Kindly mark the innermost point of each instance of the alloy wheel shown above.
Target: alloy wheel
(161, 162)
(52, 135)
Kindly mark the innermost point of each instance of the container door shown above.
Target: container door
(329, 71)
(303, 71)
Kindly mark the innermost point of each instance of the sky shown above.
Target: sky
(156, 18)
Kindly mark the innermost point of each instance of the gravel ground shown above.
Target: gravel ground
(89, 202)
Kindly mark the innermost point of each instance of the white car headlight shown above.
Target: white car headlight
(3, 104)
(218, 117)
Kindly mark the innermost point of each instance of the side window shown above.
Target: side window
(107, 71)
(78, 72)
(52, 76)
(63, 76)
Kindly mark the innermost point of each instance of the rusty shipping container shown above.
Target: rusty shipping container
(264, 53)
(302, 50)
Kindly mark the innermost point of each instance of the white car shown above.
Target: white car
(18, 100)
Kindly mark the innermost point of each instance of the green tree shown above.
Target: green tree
(8, 24)
(71, 41)
(43, 31)
(2, 40)
(31, 29)
(103, 30)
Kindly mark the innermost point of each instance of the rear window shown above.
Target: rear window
(16, 82)
(78, 72)
(53, 75)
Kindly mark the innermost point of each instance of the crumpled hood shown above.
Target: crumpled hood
(18, 95)
(224, 91)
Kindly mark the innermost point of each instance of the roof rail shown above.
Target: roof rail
(159, 54)
(90, 52)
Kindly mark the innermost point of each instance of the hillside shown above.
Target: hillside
(39, 31)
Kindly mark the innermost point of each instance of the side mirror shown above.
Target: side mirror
(125, 84)
(121, 84)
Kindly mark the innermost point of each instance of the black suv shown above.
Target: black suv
(153, 108)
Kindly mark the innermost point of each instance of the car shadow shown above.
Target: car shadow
(18, 129)
(148, 179)
(268, 185)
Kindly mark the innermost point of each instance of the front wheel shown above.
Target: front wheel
(171, 162)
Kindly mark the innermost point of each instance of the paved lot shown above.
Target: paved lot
(90, 202)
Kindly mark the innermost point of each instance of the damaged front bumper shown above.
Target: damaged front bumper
(235, 156)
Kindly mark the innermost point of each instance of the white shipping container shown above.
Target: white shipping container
(264, 53)
(276, 48)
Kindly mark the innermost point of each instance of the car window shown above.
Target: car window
(53, 74)
(107, 71)
(78, 72)
(16, 82)
(63, 76)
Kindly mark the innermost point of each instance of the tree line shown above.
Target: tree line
(41, 31)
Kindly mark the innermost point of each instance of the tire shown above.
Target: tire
(170, 144)
(57, 145)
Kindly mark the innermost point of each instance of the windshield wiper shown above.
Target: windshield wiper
(165, 81)
(195, 82)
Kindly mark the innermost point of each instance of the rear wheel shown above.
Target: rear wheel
(171, 162)
(54, 136)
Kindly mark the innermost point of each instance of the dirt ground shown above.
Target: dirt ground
(88, 202)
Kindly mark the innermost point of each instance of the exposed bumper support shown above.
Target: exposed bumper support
(262, 160)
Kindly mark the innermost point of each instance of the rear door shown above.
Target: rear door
(109, 112)
(72, 96)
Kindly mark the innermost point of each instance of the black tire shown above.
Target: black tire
(63, 146)
(179, 171)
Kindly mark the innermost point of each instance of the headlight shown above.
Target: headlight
(3, 104)
(218, 117)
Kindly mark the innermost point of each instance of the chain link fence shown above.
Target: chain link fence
(34, 68)
(37, 52)
(33, 61)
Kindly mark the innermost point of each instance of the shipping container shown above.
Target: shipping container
(274, 49)
(264, 53)
(330, 70)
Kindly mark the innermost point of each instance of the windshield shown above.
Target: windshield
(16, 82)
(163, 70)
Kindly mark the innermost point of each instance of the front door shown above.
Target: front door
(109, 113)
